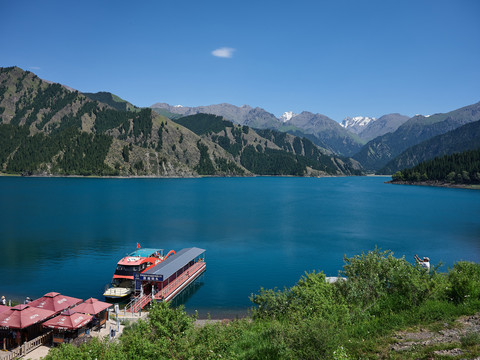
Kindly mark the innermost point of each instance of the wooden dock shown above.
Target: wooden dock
(171, 290)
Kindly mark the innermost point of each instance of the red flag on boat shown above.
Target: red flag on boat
(138, 246)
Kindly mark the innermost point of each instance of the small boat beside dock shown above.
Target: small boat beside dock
(134, 263)
(166, 280)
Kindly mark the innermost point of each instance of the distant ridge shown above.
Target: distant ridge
(112, 100)
(318, 128)
(464, 138)
(369, 128)
(243, 115)
(379, 151)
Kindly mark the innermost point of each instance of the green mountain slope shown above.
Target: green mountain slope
(46, 128)
(379, 151)
(51, 131)
(112, 100)
(458, 168)
(324, 132)
(268, 152)
(466, 137)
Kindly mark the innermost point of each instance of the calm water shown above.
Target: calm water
(66, 235)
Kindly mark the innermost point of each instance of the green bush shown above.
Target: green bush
(464, 280)
(378, 281)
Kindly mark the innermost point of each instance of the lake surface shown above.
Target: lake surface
(67, 234)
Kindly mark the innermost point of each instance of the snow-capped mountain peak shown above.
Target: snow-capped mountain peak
(357, 121)
(423, 115)
(286, 116)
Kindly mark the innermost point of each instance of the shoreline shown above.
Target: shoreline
(203, 314)
(436, 184)
(2, 174)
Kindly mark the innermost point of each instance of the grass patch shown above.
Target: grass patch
(471, 338)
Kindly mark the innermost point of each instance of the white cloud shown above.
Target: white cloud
(224, 52)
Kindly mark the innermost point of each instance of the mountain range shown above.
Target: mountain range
(374, 143)
(378, 152)
(50, 129)
(345, 140)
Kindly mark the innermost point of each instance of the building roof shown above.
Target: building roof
(174, 263)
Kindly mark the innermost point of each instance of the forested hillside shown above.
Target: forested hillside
(466, 137)
(459, 168)
(268, 152)
(49, 129)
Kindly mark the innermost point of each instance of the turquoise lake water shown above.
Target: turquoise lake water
(67, 234)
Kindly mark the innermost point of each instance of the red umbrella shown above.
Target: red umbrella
(91, 306)
(55, 302)
(22, 316)
(68, 320)
(4, 308)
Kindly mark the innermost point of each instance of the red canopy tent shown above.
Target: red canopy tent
(55, 302)
(22, 316)
(68, 320)
(91, 306)
(4, 308)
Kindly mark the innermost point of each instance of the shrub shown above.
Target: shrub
(377, 280)
(464, 280)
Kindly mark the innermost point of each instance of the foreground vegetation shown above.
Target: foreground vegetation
(314, 319)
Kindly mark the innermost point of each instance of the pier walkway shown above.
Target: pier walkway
(172, 289)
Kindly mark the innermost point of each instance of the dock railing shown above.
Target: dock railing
(27, 346)
(191, 271)
(141, 303)
(130, 305)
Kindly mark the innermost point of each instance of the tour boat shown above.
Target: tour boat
(135, 263)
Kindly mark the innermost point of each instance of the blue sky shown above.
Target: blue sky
(338, 58)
